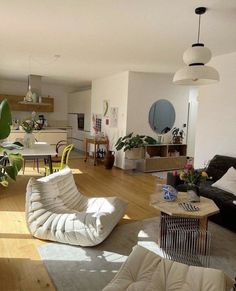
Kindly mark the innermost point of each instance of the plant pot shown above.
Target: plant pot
(109, 160)
(135, 154)
(177, 140)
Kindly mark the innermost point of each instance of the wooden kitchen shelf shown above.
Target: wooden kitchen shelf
(17, 104)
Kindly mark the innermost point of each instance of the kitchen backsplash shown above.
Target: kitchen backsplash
(57, 123)
(20, 116)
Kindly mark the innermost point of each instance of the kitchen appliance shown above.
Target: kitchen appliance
(42, 121)
(79, 130)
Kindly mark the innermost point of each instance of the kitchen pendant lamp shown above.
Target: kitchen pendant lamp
(196, 72)
(28, 96)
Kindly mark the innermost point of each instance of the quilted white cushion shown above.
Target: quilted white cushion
(57, 211)
(146, 271)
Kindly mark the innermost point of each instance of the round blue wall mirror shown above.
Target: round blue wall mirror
(161, 116)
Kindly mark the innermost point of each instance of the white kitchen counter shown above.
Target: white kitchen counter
(40, 131)
(50, 136)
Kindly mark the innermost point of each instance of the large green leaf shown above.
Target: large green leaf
(11, 171)
(119, 140)
(5, 119)
(16, 160)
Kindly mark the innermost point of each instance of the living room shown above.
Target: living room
(127, 54)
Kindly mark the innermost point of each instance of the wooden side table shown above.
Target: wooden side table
(184, 234)
(96, 142)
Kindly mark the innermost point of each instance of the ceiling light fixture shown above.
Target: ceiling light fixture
(28, 96)
(195, 57)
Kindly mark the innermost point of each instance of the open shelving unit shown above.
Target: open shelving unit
(17, 104)
(162, 157)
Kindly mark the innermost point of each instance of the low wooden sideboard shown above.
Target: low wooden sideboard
(162, 157)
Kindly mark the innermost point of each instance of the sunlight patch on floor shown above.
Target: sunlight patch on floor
(126, 217)
(29, 171)
(11, 220)
(76, 171)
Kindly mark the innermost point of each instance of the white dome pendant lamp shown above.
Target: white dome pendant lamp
(195, 57)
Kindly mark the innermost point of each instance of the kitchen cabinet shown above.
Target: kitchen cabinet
(17, 104)
(77, 136)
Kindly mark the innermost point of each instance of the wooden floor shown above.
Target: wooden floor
(20, 265)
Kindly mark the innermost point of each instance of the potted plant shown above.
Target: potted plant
(133, 145)
(11, 169)
(177, 135)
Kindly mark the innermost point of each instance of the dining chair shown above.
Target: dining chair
(57, 166)
(59, 149)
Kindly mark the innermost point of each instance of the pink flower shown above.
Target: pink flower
(174, 173)
(188, 166)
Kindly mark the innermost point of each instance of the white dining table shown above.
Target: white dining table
(38, 150)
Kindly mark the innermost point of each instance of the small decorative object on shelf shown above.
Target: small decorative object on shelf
(192, 178)
(34, 97)
(169, 193)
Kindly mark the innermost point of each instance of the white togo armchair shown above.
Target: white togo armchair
(144, 270)
(57, 211)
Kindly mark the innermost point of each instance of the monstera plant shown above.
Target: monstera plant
(10, 164)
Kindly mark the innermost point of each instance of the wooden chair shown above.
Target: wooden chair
(57, 166)
(59, 146)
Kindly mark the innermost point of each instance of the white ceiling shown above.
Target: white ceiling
(96, 38)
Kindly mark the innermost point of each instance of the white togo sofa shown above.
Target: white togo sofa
(146, 271)
(56, 211)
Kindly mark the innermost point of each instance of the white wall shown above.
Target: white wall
(216, 122)
(134, 93)
(144, 90)
(58, 92)
(114, 89)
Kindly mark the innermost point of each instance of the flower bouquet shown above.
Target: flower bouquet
(192, 178)
(29, 125)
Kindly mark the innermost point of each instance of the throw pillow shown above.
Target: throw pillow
(227, 182)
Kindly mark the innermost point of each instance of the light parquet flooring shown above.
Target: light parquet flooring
(20, 265)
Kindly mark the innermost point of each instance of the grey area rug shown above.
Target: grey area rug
(90, 269)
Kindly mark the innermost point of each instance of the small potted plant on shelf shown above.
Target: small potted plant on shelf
(133, 145)
(177, 135)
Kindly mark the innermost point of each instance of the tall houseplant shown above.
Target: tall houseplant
(10, 164)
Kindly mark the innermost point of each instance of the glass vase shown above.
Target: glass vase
(29, 140)
(193, 193)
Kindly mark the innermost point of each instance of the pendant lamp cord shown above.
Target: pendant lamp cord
(199, 28)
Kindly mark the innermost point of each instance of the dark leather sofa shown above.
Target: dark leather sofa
(217, 167)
